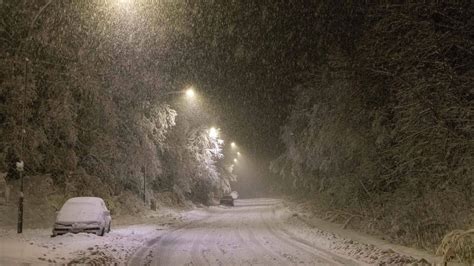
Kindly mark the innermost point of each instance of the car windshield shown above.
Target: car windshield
(79, 212)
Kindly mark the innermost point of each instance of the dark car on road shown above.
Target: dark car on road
(227, 200)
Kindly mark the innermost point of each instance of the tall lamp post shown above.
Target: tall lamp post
(20, 166)
(189, 92)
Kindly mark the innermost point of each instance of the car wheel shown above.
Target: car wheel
(101, 232)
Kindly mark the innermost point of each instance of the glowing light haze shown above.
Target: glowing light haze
(213, 132)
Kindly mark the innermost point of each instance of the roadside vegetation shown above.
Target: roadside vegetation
(381, 132)
(79, 112)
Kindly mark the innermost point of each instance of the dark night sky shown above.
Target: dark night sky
(245, 58)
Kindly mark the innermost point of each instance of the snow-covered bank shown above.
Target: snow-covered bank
(303, 223)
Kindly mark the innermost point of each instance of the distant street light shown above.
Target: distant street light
(238, 153)
(235, 160)
(213, 133)
(232, 144)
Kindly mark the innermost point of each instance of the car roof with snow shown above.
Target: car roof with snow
(94, 200)
(81, 209)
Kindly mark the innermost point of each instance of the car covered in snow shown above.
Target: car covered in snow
(227, 200)
(83, 214)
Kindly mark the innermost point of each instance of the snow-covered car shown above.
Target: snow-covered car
(83, 214)
(227, 200)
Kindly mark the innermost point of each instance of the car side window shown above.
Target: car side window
(105, 206)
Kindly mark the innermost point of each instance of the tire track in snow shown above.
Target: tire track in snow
(301, 244)
(197, 253)
(154, 246)
(261, 243)
(321, 258)
(250, 234)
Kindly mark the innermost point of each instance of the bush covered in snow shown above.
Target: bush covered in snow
(383, 126)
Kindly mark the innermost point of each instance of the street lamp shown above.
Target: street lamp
(190, 92)
(235, 160)
(124, 4)
(232, 144)
(213, 133)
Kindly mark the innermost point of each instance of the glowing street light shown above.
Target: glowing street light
(213, 133)
(124, 3)
(232, 144)
(238, 153)
(235, 160)
(190, 92)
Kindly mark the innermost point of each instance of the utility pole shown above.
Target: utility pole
(20, 166)
(144, 184)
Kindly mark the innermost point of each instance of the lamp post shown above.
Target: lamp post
(189, 93)
(20, 166)
(144, 184)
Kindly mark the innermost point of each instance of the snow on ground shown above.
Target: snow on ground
(36, 246)
(361, 246)
(265, 232)
(268, 229)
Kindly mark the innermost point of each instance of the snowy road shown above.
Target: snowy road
(254, 232)
(251, 233)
